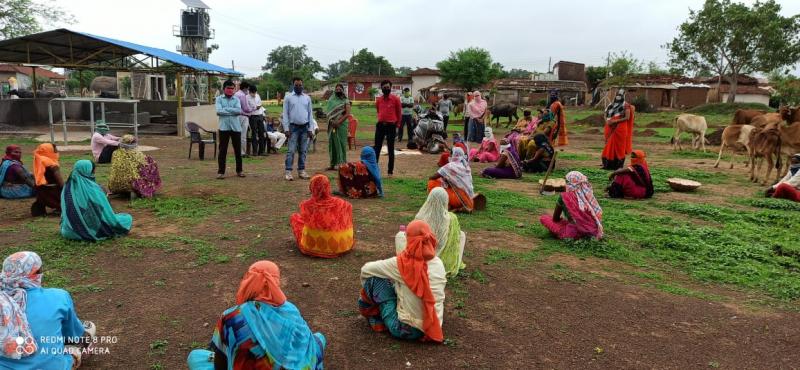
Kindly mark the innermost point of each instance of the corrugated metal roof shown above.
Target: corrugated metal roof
(71, 49)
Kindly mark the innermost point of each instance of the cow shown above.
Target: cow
(765, 119)
(695, 125)
(504, 110)
(764, 143)
(732, 135)
(789, 114)
(745, 116)
(790, 142)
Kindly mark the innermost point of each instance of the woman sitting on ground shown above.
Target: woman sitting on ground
(405, 294)
(48, 180)
(324, 226)
(539, 154)
(263, 330)
(633, 182)
(509, 166)
(133, 172)
(789, 186)
(44, 318)
(451, 240)
(103, 143)
(456, 178)
(15, 181)
(458, 142)
(488, 151)
(87, 214)
(579, 206)
(361, 179)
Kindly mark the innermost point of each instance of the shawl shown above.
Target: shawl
(617, 107)
(578, 184)
(86, 213)
(21, 271)
(369, 160)
(413, 265)
(457, 172)
(44, 156)
(434, 213)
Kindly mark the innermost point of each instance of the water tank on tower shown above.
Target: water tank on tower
(195, 30)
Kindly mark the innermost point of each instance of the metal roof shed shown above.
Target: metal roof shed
(64, 48)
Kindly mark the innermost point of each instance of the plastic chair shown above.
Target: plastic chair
(351, 134)
(196, 137)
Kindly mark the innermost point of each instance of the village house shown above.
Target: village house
(423, 78)
(660, 91)
(748, 90)
(23, 78)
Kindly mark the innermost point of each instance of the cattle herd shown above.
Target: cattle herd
(765, 136)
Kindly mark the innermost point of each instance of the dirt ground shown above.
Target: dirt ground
(517, 315)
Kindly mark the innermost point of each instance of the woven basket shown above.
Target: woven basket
(684, 185)
(554, 185)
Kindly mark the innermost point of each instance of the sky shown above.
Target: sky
(413, 33)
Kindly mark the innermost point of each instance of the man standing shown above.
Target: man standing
(467, 100)
(389, 110)
(445, 105)
(259, 137)
(407, 120)
(297, 124)
(229, 110)
(244, 118)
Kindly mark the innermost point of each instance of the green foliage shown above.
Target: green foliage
(732, 39)
(24, 17)
(403, 71)
(366, 63)
(623, 63)
(654, 68)
(773, 203)
(268, 87)
(469, 68)
(519, 73)
(192, 209)
(725, 108)
(75, 78)
(337, 70)
(286, 62)
(595, 74)
(787, 89)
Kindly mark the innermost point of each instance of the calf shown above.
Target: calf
(745, 116)
(695, 125)
(764, 143)
(732, 135)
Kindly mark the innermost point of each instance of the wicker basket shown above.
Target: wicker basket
(683, 185)
(554, 185)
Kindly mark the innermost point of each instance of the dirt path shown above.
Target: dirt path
(556, 312)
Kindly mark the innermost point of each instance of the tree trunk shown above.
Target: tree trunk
(734, 81)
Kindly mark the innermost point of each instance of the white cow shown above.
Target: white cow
(693, 124)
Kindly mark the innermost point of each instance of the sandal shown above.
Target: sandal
(241, 174)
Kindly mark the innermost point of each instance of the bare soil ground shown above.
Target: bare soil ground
(559, 311)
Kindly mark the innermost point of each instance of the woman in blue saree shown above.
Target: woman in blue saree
(86, 213)
(15, 181)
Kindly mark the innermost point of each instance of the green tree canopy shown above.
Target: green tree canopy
(623, 64)
(403, 71)
(469, 68)
(24, 17)
(595, 74)
(732, 39)
(268, 87)
(337, 70)
(366, 63)
(519, 73)
(787, 88)
(286, 62)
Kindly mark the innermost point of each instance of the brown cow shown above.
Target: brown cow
(764, 143)
(745, 116)
(790, 143)
(732, 135)
(789, 114)
(766, 119)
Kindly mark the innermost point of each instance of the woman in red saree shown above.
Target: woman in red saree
(618, 132)
(458, 142)
(582, 214)
(324, 226)
(633, 182)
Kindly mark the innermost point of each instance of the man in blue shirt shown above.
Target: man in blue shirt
(297, 124)
(229, 109)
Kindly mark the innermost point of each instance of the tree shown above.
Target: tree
(336, 70)
(732, 39)
(286, 62)
(519, 73)
(268, 87)
(596, 74)
(787, 88)
(623, 64)
(367, 63)
(403, 71)
(469, 68)
(654, 68)
(76, 77)
(23, 17)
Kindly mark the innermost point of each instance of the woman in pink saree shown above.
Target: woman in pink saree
(582, 215)
(488, 152)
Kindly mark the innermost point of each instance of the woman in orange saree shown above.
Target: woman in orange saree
(618, 132)
(324, 225)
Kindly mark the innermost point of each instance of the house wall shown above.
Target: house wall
(356, 92)
(688, 97)
(570, 72)
(748, 98)
(421, 82)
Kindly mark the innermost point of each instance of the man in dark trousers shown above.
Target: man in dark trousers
(389, 110)
(229, 109)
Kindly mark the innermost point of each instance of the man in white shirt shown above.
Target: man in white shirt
(259, 135)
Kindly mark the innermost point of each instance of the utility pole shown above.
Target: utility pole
(608, 64)
(233, 67)
(549, 60)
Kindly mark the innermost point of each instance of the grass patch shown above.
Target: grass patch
(191, 209)
(561, 273)
(772, 203)
(692, 154)
(574, 156)
(726, 108)
(679, 290)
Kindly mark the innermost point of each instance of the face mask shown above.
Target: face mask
(407, 94)
(298, 89)
(339, 94)
(228, 91)
(386, 91)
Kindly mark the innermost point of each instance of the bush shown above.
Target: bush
(725, 108)
(642, 105)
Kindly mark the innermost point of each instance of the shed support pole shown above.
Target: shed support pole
(179, 91)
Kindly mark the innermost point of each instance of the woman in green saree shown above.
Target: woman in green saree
(338, 113)
(86, 213)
